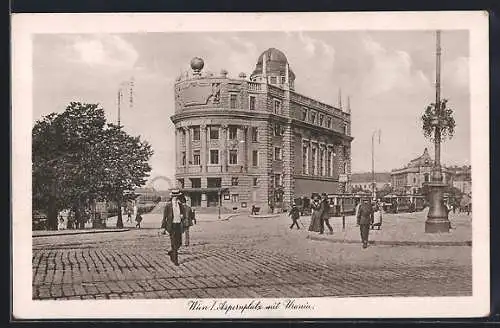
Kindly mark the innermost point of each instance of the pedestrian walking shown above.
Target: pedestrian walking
(377, 216)
(129, 216)
(316, 213)
(356, 209)
(189, 220)
(325, 213)
(173, 216)
(295, 215)
(138, 220)
(364, 219)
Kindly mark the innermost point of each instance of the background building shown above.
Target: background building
(409, 179)
(462, 178)
(257, 137)
(364, 181)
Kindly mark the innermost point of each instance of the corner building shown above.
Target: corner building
(256, 138)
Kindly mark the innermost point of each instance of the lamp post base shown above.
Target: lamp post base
(437, 217)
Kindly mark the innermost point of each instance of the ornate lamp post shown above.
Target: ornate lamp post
(437, 120)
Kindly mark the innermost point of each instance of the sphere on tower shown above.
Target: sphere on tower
(197, 64)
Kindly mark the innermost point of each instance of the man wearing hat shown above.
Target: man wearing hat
(364, 220)
(325, 214)
(173, 217)
(295, 215)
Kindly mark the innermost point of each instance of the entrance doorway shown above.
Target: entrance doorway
(195, 199)
(212, 199)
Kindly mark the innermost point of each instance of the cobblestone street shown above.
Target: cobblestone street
(241, 257)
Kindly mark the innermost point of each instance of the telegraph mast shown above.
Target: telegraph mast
(126, 86)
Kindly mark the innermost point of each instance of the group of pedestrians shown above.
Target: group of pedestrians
(178, 217)
(368, 216)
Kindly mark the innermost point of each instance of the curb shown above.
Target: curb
(396, 242)
(264, 216)
(80, 232)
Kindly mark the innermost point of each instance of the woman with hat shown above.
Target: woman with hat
(316, 214)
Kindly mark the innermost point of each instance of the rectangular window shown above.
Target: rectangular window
(233, 131)
(283, 80)
(235, 198)
(329, 163)
(304, 114)
(273, 80)
(214, 156)
(277, 129)
(252, 103)
(255, 158)
(277, 153)
(313, 155)
(313, 117)
(214, 132)
(321, 118)
(196, 157)
(196, 133)
(321, 157)
(277, 180)
(233, 156)
(305, 160)
(183, 158)
(233, 99)
(255, 182)
(214, 182)
(254, 134)
(234, 181)
(196, 182)
(277, 106)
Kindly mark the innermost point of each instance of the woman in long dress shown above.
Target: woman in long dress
(317, 212)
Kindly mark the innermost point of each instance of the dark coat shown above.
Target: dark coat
(168, 216)
(365, 214)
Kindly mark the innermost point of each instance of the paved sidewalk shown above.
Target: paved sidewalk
(46, 233)
(244, 257)
(397, 229)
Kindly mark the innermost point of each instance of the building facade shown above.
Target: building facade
(364, 181)
(462, 179)
(410, 178)
(256, 141)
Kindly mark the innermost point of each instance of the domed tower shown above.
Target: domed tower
(272, 66)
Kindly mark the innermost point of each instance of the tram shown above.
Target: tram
(348, 201)
(402, 204)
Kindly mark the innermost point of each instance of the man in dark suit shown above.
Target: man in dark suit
(364, 220)
(173, 217)
(190, 219)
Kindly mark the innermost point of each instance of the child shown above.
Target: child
(295, 215)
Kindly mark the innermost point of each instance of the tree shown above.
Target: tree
(73, 160)
(442, 118)
(126, 165)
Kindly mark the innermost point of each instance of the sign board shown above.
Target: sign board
(343, 178)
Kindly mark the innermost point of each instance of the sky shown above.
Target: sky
(388, 75)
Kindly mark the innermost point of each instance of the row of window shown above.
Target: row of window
(320, 119)
(217, 182)
(214, 133)
(252, 102)
(214, 157)
(322, 162)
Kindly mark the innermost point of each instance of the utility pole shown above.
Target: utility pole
(374, 183)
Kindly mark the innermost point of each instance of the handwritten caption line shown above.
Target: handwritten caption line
(254, 305)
